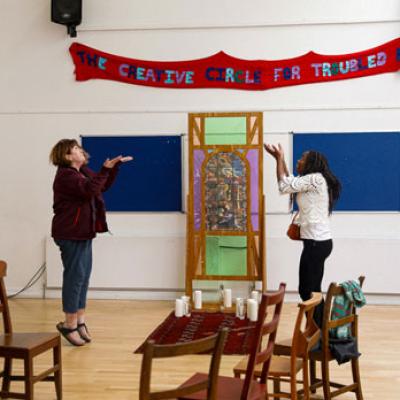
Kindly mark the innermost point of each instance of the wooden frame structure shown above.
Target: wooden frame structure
(198, 229)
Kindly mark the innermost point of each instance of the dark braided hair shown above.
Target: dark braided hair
(317, 162)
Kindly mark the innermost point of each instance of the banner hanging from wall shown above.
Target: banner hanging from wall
(226, 72)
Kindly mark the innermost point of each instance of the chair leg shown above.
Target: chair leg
(313, 374)
(306, 380)
(58, 373)
(326, 380)
(28, 369)
(277, 387)
(5, 386)
(356, 377)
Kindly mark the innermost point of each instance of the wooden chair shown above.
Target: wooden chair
(231, 388)
(284, 369)
(25, 346)
(324, 356)
(214, 343)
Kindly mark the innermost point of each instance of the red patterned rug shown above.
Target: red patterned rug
(202, 324)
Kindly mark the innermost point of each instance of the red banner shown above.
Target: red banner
(224, 71)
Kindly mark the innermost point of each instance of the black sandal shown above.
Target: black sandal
(66, 331)
(85, 338)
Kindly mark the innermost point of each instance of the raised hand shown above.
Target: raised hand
(111, 163)
(126, 159)
(275, 151)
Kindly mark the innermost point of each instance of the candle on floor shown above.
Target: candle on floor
(255, 294)
(197, 299)
(228, 297)
(252, 309)
(179, 308)
(186, 306)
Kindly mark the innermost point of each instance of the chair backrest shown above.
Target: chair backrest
(328, 323)
(4, 310)
(214, 343)
(261, 351)
(305, 335)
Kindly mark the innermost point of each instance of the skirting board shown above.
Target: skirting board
(150, 295)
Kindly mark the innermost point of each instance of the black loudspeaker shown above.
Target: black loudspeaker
(67, 12)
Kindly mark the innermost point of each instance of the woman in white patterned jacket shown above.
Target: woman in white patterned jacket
(315, 190)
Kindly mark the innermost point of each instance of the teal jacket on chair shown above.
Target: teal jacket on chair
(342, 307)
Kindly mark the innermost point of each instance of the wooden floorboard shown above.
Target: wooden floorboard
(107, 369)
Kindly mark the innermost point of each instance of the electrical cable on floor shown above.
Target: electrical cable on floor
(37, 275)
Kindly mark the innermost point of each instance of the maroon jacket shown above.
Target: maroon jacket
(79, 210)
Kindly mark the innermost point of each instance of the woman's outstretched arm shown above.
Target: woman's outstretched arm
(279, 155)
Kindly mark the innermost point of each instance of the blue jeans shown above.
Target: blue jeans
(76, 256)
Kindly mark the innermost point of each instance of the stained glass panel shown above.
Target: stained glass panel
(225, 193)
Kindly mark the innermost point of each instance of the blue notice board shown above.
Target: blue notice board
(367, 164)
(151, 182)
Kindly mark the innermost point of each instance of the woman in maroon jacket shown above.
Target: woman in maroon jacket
(79, 213)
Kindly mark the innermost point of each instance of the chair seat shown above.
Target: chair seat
(228, 389)
(26, 341)
(318, 356)
(283, 347)
(280, 366)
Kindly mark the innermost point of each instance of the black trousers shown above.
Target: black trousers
(311, 272)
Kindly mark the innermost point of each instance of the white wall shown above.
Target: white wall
(40, 103)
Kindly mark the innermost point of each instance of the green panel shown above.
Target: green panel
(212, 254)
(233, 241)
(225, 125)
(226, 138)
(225, 130)
(226, 255)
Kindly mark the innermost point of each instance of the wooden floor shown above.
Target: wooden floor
(108, 369)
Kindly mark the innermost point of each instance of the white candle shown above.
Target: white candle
(228, 297)
(197, 299)
(255, 295)
(179, 308)
(186, 305)
(252, 309)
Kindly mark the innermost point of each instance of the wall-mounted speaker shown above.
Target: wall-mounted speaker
(67, 12)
